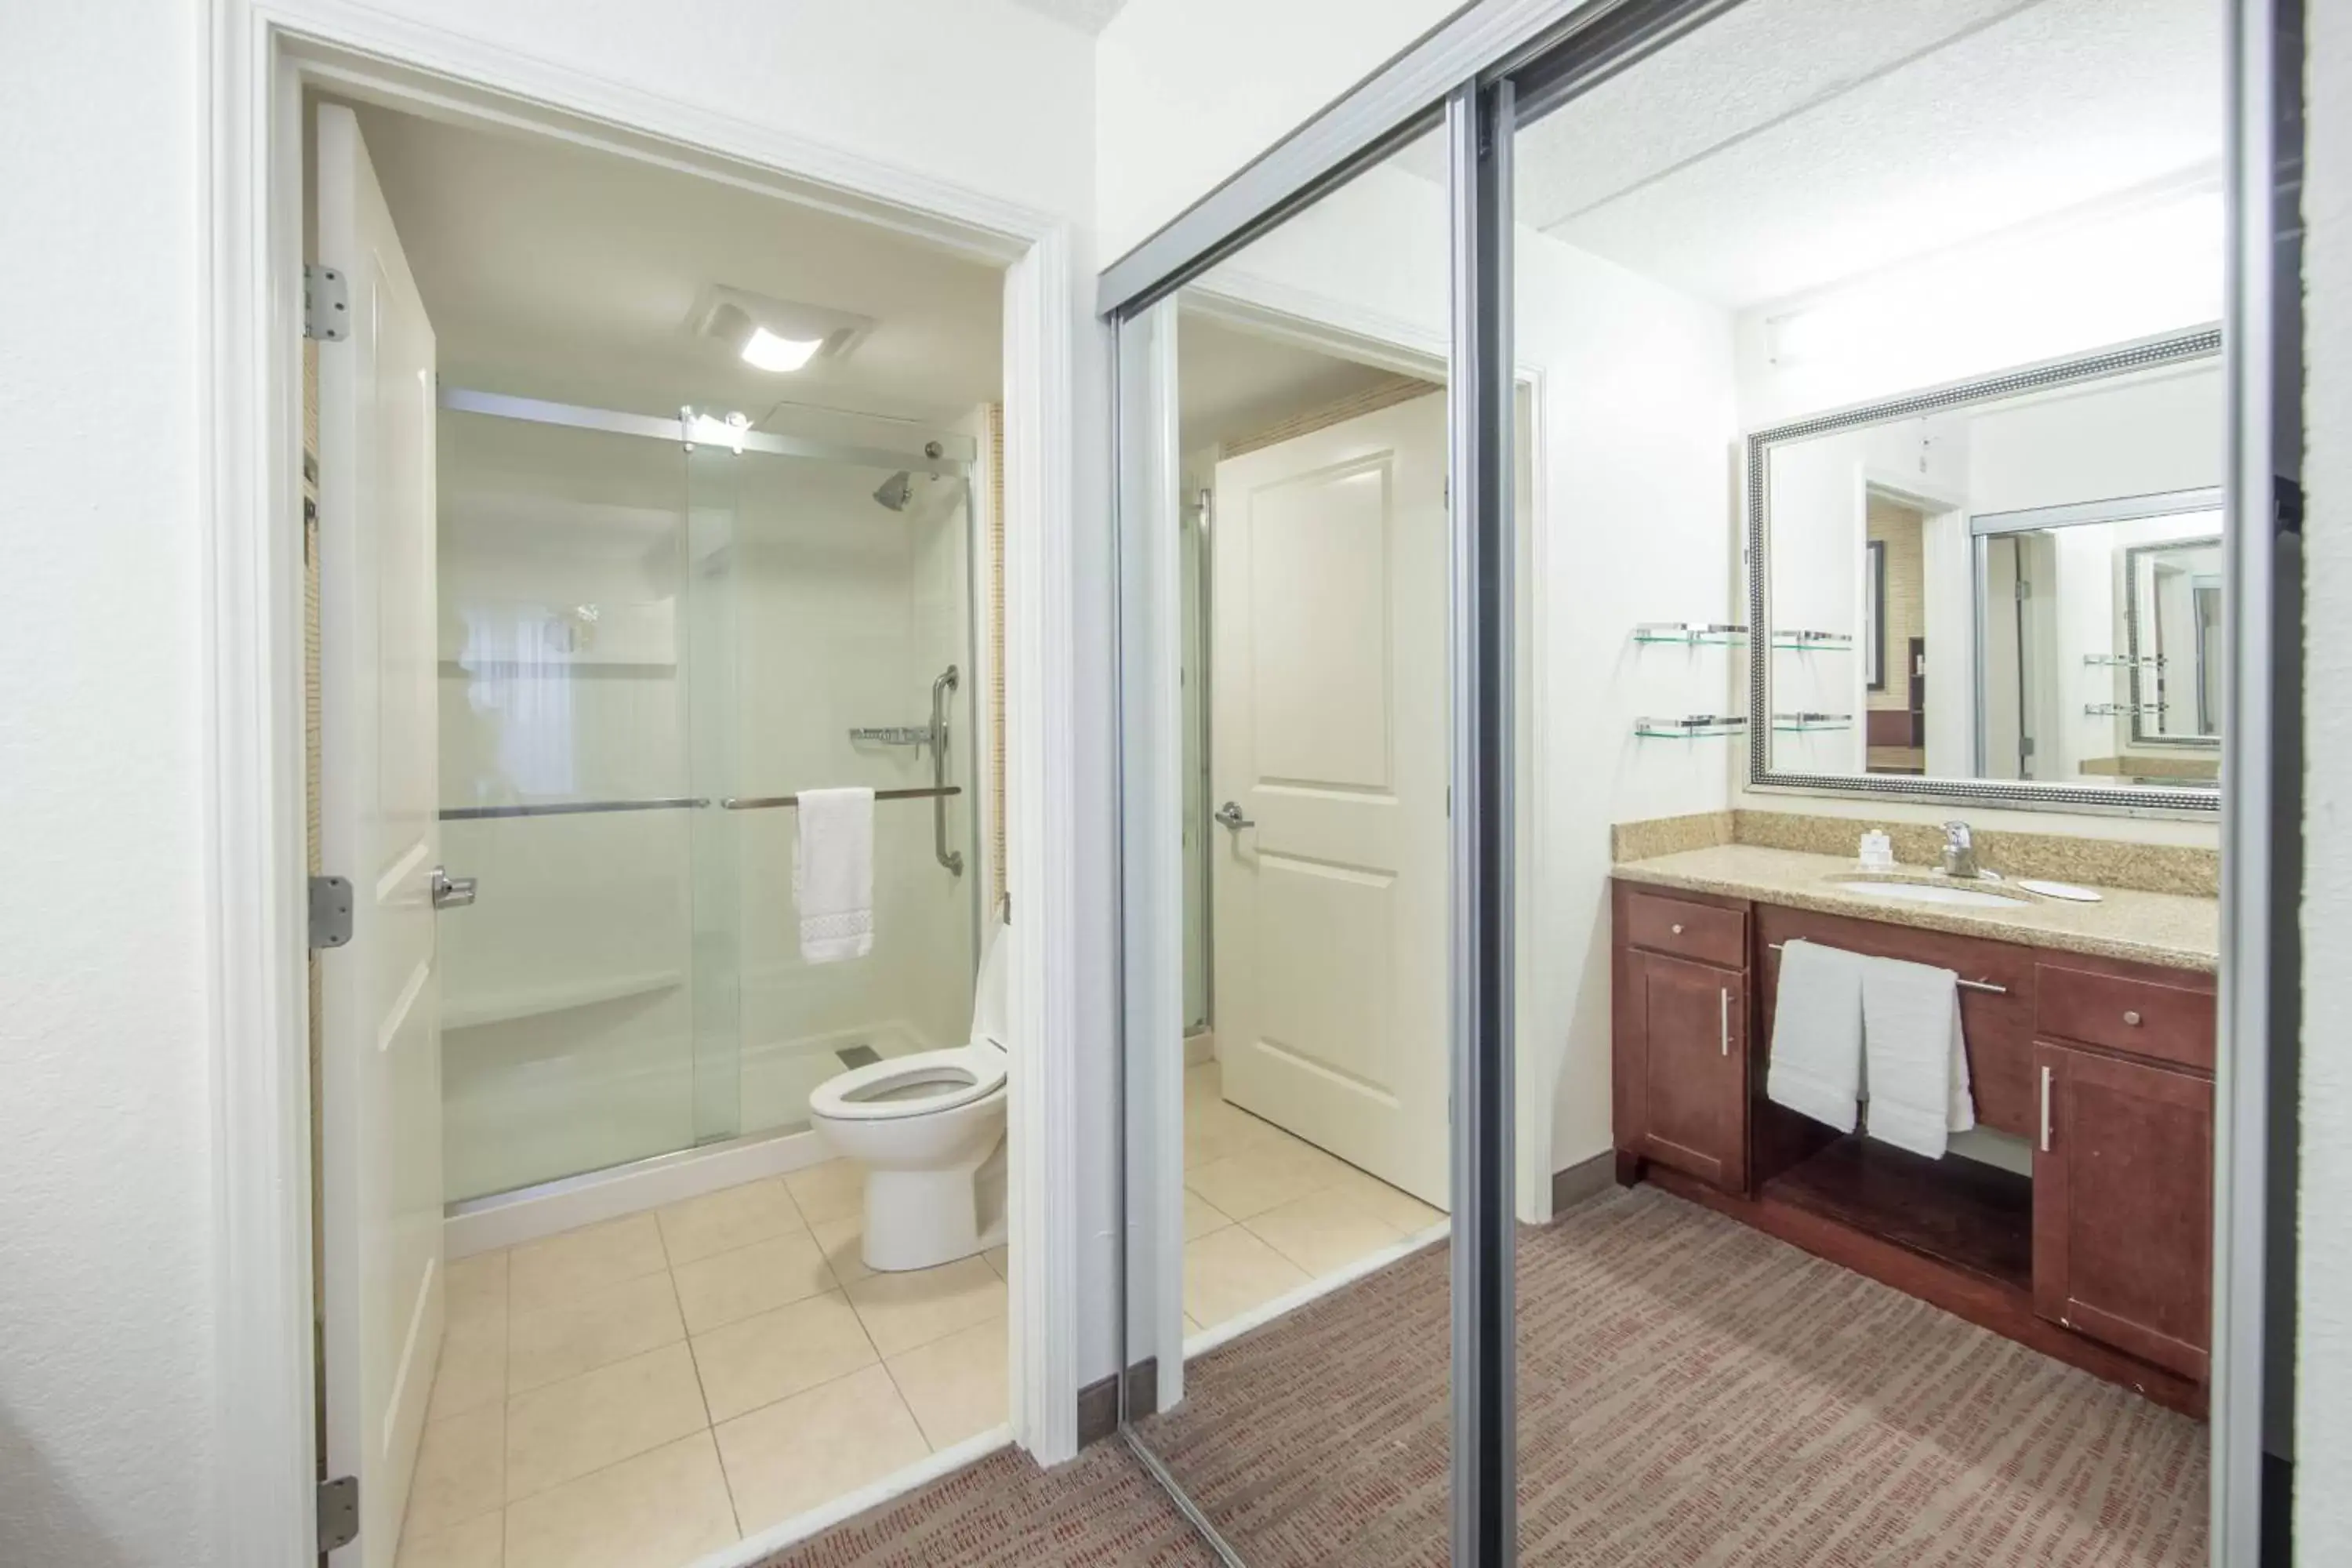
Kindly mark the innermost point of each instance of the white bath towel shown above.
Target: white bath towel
(833, 874)
(1816, 1048)
(1918, 1062)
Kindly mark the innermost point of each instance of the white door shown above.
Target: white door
(1327, 738)
(380, 1067)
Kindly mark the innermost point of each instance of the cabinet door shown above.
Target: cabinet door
(2123, 1213)
(1693, 1068)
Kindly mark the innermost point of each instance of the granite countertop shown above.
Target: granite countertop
(2151, 928)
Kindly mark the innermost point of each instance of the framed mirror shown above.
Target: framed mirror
(2006, 591)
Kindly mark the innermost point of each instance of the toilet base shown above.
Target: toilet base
(921, 1219)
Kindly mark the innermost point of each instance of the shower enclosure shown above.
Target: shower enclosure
(653, 634)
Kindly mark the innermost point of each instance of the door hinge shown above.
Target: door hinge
(326, 304)
(339, 1513)
(331, 911)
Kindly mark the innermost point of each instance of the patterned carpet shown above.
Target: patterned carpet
(1692, 1393)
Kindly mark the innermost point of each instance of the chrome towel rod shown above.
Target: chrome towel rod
(1985, 985)
(573, 809)
(764, 802)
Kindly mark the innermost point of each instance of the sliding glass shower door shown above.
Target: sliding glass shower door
(647, 650)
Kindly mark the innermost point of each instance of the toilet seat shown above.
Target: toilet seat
(916, 1085)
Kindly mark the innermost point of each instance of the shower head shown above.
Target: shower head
(897, 491)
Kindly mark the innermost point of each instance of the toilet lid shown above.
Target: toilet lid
(909, 1086)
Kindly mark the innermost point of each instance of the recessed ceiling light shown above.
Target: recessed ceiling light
(765, 351)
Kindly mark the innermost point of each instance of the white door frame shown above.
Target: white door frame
(1151, 758)
(260, 56)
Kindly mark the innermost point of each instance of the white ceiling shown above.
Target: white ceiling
(554, 272)
(1234, 383)
(1089, 17)
(1792, 144)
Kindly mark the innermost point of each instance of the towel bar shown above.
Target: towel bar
(1985, 985)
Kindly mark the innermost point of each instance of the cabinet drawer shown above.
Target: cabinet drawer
(1700, 933)
(2125, 1012)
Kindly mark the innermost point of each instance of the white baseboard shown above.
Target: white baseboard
(1199, 1046)
(488, 1223)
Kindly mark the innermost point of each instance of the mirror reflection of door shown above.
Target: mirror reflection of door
(1895, 633)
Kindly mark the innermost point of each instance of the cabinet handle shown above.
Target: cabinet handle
(1727, 1023)
(1677, 930)
(2045, 1108)
(2131, 1016)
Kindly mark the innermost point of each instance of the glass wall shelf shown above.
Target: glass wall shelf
(1690, 633)
(2122, 661)
(1806, 722)
(1809, 642)
(1689, 727)
(2123, 709)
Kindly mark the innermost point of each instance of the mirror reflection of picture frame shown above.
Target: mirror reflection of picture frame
(2175, 348)
(1874, 611)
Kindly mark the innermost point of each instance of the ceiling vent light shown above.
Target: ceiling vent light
(779, 336)
(763, 350)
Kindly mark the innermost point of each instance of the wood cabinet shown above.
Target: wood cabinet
(2103, 1257)
(2123, 1216)
(1688, 1039)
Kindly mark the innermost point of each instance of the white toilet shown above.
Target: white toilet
(930, 1129)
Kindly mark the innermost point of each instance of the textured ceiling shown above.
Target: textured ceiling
(552, 272)
(1087, 15)
(1792, 144)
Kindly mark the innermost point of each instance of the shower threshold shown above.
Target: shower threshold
(565, 1203)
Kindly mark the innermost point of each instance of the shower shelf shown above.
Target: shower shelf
(1794, 724)
(514, 1004)
(1689, 727)
(1689, 634)
(892, 736)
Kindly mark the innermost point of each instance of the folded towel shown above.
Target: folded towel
(1816, 1064)
(1917, 1061)
(833, 874)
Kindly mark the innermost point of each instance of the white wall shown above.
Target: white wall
(1189, 91)
(109, 1451)
(2322, 1508)
(106, 1296)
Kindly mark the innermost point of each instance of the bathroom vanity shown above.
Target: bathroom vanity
(2090, 1036)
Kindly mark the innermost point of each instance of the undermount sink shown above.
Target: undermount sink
(1930, 893)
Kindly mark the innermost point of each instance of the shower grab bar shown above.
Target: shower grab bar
(573, 808)
(1986, 986)
(951, 859)
(768, 801)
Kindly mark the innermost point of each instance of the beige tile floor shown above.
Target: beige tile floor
(1265, 1212)
(642, 1391)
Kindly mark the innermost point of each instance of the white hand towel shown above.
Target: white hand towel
(833, 874)
(1817, 1034)
(1917, 1059)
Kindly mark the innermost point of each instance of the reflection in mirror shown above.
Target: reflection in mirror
(2018, 582)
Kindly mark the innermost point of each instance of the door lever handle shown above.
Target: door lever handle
(1230, 816)
(451, 892)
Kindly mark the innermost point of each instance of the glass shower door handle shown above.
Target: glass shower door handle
(451, 892)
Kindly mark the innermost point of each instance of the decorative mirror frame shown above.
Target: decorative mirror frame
(2202, 342)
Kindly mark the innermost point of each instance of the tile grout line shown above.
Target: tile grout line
(709, 1426)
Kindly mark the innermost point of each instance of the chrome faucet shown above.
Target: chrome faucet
(1960, 851)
